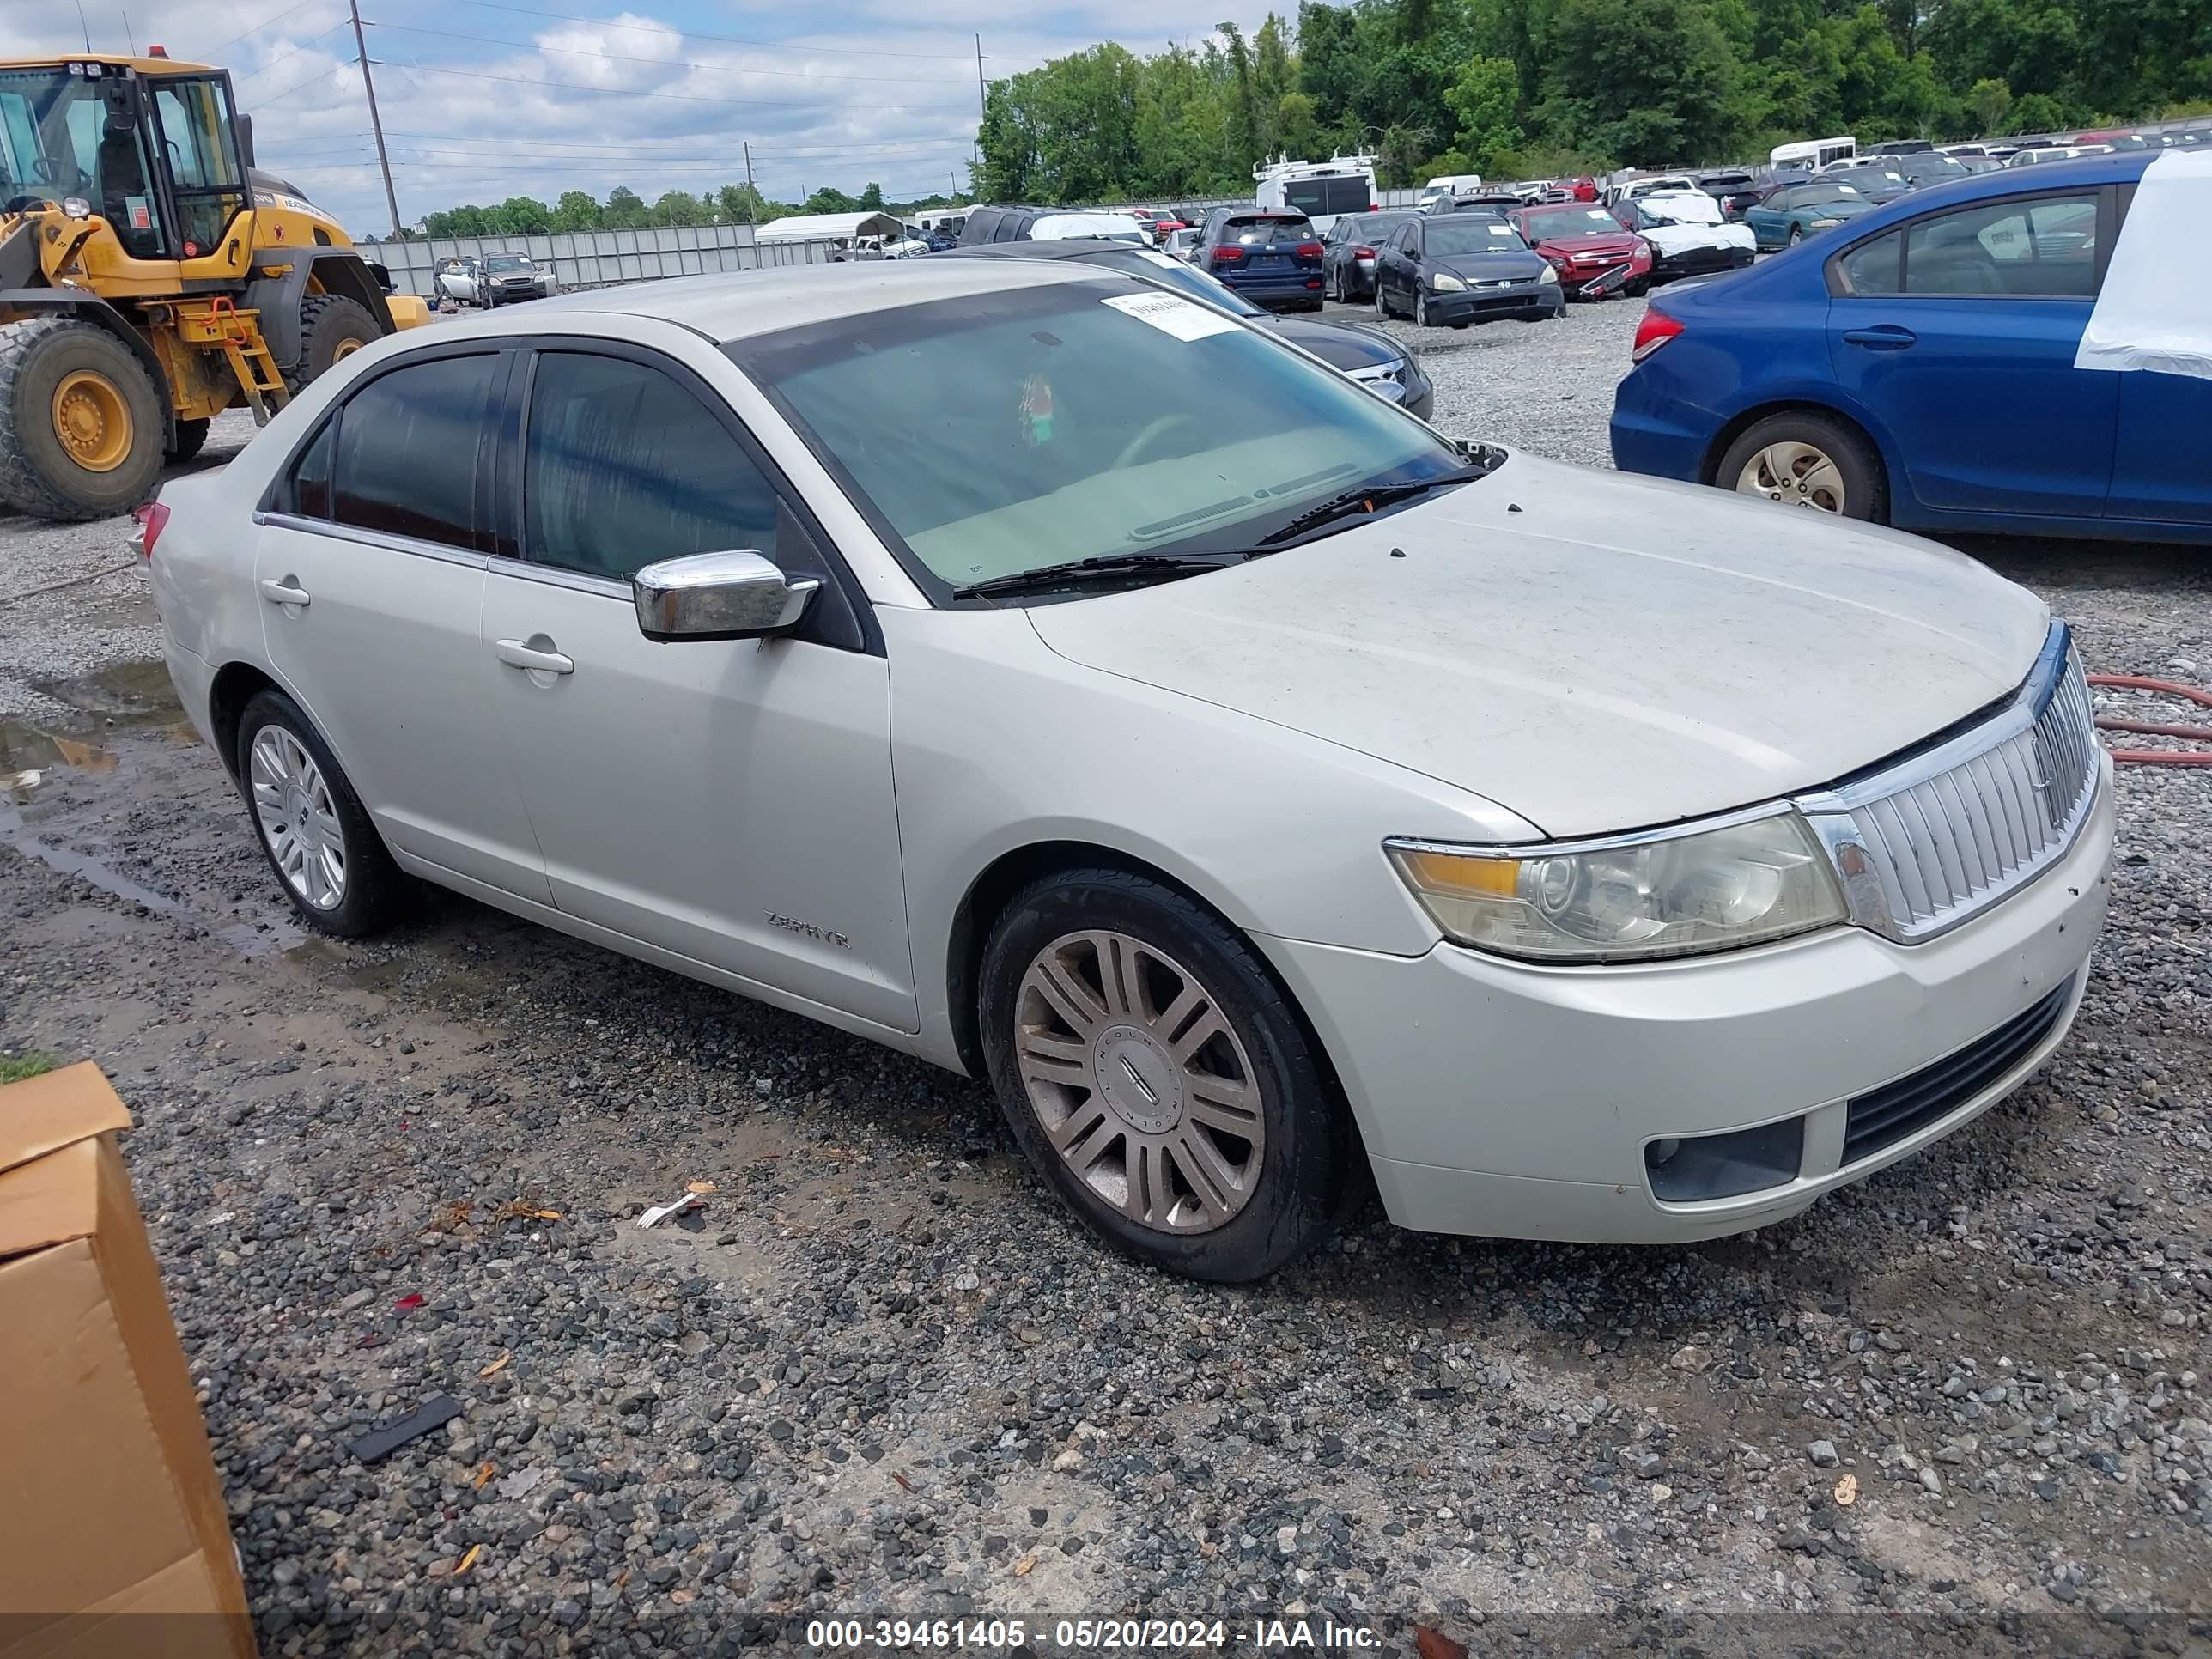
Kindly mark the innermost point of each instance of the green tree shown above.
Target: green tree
(871, 200)
(1649, 81)
(575, 211)
(523, 216)
(678, 207)
(830, 199)
(1988, 99)
(741, 205)
(1486, 98)
(625, 209)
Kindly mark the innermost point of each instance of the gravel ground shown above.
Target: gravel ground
(880, 1371)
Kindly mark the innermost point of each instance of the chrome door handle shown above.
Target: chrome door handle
(283, 590)
(516, 654)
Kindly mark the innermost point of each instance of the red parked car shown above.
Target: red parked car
(1583, 189)
(1588, 248)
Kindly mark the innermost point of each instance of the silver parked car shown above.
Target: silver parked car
(496, 279)
(1248, 782)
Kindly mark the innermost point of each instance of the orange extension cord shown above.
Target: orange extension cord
(2157, 756)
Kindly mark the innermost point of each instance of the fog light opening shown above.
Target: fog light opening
(1691, 1169)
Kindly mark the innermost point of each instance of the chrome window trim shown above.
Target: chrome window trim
(1833, 812)
(576, 582)
(376, 538)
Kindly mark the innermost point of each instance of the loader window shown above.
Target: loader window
(201, 150)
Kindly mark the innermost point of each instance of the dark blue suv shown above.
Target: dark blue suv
(1924, 365)
(1272, 258)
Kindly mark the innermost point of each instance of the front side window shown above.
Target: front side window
(407, 452)
(622, 466)
(195, 130)
(2044, 249)
(1319, 198)
(1094, 417)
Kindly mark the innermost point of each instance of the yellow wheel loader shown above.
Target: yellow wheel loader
(151, 279)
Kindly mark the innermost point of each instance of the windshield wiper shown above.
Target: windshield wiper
(1099, 567)
(1483, 461)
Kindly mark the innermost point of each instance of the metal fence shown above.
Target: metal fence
(595, 259)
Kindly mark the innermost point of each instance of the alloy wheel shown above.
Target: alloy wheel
(298, 819)
(1420, 311)
(1140, 1083)
(1796, 474)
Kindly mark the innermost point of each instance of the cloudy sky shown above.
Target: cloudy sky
(485, 99)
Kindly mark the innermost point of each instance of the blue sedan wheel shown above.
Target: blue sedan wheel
(1805, 460)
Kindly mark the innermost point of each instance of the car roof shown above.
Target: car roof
(735, 305)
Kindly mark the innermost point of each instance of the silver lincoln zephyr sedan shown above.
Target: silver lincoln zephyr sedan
(1257, 787)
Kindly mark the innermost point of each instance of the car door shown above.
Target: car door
(728, 800)
(1978, 321)
(370, 560)
(1399, 264)
(1765, 219)
(2158, 469)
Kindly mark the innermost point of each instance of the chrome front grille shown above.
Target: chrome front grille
(1922, 846)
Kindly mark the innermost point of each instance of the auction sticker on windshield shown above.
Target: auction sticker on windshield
(1173, 314)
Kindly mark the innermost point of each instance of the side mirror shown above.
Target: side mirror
(718, 595)
(246, 139)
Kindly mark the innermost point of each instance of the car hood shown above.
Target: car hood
(1595, 652)
(1681, 238)
(1834, 210)
(1341, 345)
(1515, 263)
(1618, 245)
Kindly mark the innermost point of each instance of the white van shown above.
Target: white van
(1812, 155)
(1320, 189)
(1445, 186)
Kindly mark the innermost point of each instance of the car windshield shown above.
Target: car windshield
(1814, 195)
(1926, 169)
(1100, 417)
(1470, 233)
(1570, 222)
(506, 262)
(1174, 273)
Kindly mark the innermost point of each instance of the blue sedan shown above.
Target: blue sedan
(1916, 367)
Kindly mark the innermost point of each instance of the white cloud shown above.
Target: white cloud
(560, 105)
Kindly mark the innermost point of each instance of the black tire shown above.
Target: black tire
(1308, 1151)
(1382, 304)
(1420, 310)
(332, 327)
(190, 435)
(38, 473)
(1638, 288)
(376, 891)
(1866, 496)
(1797, 235)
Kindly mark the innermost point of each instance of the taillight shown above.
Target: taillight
(1362, 253)
(151, 518)
(1654, 331)
(1227, 256)
(1308, 249)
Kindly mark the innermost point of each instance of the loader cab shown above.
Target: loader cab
(152, 148)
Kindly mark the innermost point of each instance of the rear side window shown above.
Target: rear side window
(407, 449)
(2043, 249)
(1872, 268)
(623, 466)
(308, 491)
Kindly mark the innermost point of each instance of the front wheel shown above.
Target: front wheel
(1801, 458)
(1157, 1079)
(1797, 235)
(81, 420)
(1420, 311)
(1382, 306)
(313, 828)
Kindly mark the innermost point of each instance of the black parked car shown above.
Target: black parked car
(1381, 362)
(1451, 270)
(1347, 253)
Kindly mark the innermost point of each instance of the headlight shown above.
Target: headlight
(1445, 282)
(1549, 275)
(1628, 899)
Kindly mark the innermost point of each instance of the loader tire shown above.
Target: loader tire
(190, 434)
(332, 327)
(81, 421)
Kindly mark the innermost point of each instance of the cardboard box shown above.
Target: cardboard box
(113, 1536)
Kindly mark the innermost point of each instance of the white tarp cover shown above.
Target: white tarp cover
(2155, 310)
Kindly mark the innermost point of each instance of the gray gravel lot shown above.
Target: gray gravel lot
(885, 1374)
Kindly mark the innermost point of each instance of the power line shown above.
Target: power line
(628, 92)
(295, 51)
(725, 40)
(209, 55)
(301, 86)
(658, 62)
(689, 140)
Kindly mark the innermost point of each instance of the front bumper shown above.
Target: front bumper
(1501, 1099)
(1489, 305)
(1700, 262)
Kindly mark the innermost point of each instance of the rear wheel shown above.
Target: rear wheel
(1801, 458)
(81, 421)
(190, 435)
(311, 826)
(1157, 1078)
(332, 329)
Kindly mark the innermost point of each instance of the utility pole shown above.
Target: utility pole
(982, 109)
(752, 194)
(368, 85)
